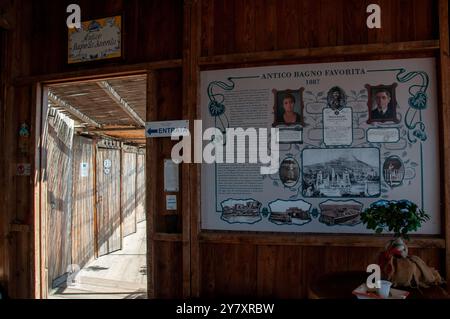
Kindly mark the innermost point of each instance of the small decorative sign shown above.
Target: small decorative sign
(96, 40)
(23, 169)
(107, 163)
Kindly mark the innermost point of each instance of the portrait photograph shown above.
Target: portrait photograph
(336, 98)
(288, 107)
(289, 172)
(382, 104)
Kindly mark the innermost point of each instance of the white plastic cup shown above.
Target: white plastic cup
(384, 287)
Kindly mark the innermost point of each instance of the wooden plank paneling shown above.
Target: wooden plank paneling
(59, 196)
(169, 101)
(140, 187)
(109, 228)
(240, 26)
(444, 83)
(280, 272)
(128, 193)
(232, 272)
(83, 240)
(3, 224)
(168, 270)
(151, 168)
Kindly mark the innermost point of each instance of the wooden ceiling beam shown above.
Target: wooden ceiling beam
(121, 102)
(72, 110)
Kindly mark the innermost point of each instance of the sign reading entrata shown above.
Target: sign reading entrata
(95, 40)
(166, 128)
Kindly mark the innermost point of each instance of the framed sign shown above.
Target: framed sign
(96, 40)
(367, 132)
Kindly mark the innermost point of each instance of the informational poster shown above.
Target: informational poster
(350, 134)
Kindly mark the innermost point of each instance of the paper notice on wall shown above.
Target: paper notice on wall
(171, 183)
(171, 202)
(84, 169)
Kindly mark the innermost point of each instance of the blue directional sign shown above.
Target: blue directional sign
(166, 128)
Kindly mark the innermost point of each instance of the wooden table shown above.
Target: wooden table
(339, 285)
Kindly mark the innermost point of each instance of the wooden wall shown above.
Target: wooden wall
(145, 23)
(140, 187)
(232, 35)
(3, 224)
(173, 41)
(235, 26)
(128, 191)
(59, 139)
(109, 219)
(83, 240)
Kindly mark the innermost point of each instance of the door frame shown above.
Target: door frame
(39, 110)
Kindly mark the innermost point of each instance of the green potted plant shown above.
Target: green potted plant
(400, 218)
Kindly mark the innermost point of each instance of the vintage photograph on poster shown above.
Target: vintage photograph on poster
(346, 213)
(286, 212)
(288, 107)
(289, 172)
(393, 171)
(336, 99)
(382, 103)
(244, 211)
(350, 172)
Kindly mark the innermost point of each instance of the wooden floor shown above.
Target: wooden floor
(119, 275)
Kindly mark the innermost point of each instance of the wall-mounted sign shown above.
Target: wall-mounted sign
(84, 169)
(171, 173)
(351, 134)
(166, 128)
(96, 40)
(107, 163)
(171, 202)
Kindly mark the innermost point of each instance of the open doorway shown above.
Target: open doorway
(93, 216)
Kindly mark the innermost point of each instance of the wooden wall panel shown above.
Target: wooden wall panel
(228, 270)
(282, 272)
(168, 270)
(59, 196)
(3, 229)
(128, 193)
(83, 240)
(109, 228)
(153, 31)
(169, 104)
(140, 188)
(235, 26)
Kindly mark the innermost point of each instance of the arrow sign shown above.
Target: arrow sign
(166, 128)
(151, 131)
